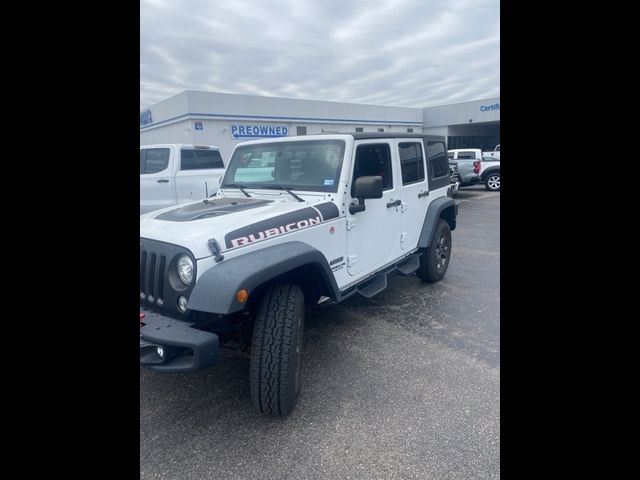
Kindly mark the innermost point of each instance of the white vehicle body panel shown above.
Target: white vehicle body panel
(374, 239)
(488, 162)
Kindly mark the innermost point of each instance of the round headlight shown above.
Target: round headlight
(185, 269)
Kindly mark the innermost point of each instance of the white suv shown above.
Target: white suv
(297, 221)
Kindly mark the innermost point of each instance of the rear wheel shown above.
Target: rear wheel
(277, 350)
(492, 183)
(434, 260)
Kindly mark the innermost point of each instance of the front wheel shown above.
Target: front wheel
(276, 351)
(492, 183)
(434, 260)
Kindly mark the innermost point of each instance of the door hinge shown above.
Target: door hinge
(351, 260)
(403, 237)
(404, 207)
(351, 223)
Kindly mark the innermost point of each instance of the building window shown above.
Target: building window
(359, 129)
(301, 130)
(381, 129)
(409, 130)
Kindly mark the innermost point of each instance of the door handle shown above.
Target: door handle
(163, 180)
(394, 204)
(423, 194)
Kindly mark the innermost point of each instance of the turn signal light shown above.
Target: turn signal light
(242, 295)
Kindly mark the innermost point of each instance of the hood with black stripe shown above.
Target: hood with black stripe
(233, 221)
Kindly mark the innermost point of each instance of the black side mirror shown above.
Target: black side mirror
(365, 187)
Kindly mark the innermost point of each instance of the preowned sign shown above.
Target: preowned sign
(257, 131)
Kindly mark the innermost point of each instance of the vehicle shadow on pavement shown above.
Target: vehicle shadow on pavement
(203, 396)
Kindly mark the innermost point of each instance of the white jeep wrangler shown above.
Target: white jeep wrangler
(298, 221)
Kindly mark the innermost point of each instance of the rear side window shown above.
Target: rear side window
(466, 155)
(438, 160)
(411, 163)
(373, 160)
(143, 154)
(200, 159)
(156, 160)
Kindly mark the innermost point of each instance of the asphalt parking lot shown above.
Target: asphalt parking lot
(405, 385)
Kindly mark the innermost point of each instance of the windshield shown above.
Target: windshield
(312, 165)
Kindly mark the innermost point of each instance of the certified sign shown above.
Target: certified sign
(486, 108)
(258, 131)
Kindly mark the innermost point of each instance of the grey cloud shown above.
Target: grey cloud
(394, 52)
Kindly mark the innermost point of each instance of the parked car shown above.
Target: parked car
(177, 173)
(324, 217)
(490, 173)
(468, 162)
(495, 153)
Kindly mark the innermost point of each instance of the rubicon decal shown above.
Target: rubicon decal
(279, 225)
(272, 232)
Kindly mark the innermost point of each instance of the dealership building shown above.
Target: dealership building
(223, 119)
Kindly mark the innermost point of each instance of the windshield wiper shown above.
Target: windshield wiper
(288, 190)
(241, 187)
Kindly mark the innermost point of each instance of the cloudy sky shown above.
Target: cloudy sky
(411, 53)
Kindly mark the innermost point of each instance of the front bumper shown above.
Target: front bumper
(185, 348)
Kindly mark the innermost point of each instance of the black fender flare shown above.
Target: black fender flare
(215, 291)
(434, 211)
(489, 171)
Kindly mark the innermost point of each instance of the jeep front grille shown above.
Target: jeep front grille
(152, 276)
(159, 282)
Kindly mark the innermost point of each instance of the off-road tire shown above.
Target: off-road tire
(434, 260)
(276, 350)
